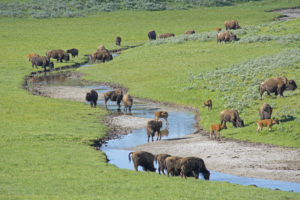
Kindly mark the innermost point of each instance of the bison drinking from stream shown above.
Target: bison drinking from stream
(144, 159)
(193, 165)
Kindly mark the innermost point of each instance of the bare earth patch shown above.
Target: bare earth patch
(232, 157)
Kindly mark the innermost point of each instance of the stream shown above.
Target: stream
(181, 122)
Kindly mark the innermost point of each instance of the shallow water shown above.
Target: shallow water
(181, 122)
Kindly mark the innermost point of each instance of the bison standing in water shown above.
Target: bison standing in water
(231, 116)
(152, 35)
(42, 61)
(118, 40)
(277, 85)
(115, 95)
(92, 97)
(152, 127)
(102, 55)
(160, 158)
(128, 101)
(233, 24)
(73, 52)
(265, 111)
(193, 165)
(144, 159)
(58, 54)
(226, 36)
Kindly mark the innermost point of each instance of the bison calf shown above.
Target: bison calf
(31, 55)
(160, 158)
(73, 52)
(128, 101)
(115, 95)
(207, 103)
(195, 166)
(143, 159)
(266, 123)
(92, 97)
(215, 129)
(152, 127)
(265, 111)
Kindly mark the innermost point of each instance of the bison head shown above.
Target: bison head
(206, 175)
(291, 85)
(240, 122)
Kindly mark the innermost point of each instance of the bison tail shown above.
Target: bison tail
(129, 156)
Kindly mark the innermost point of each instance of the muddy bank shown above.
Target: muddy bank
(287, 14)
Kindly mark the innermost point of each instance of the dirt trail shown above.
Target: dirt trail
(238, 158)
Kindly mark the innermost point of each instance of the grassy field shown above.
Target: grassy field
(44, 143)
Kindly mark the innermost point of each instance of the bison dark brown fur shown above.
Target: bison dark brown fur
(144, 159)
(152, 127)
(231, 116)
(265, 111)
(73, 52)
(118, 40)
(102, 55)
(276, 85)
(58, 54)
(152, 35)
(232, 24)
(92, 97)
(42, 61)
(160, 158)
(193, 165)
(115, 95)
(172, 165)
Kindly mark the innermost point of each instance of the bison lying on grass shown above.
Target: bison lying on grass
(152, 127)
(231, 116)
(276, 85)
(160, 158)
(115, 95)
(144, 159)
(193, 165)
(92, 97)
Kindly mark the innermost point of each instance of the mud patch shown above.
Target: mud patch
(288, 14)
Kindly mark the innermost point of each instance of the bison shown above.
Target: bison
(233, 24)
(128, 101)
(73, 52)
(92, 97)
(166, 35)
(265, 111)
(160, 158)
(102, 55)
(215, 129)
(266, 123)
(218, 29)
(144, 159)
(152, 35)
(172, 165)
(58, 54)
(189, 32)
(42, 61)
(277, 85)
(115, 95)
(161, 114)
(31, 55)
(231, 116)
(100, 48)
(152, 127)
(193, 165)
(118, 40)
(207, 103)
(226, 36)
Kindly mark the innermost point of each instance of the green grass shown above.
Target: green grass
(44, 143)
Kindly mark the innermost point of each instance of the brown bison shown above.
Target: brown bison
(215, 130)
(100, 48)
(118, 40)
(161, 114)
(166, 35)
(164, 132)
(266, 123)
(160, 158)
(92, 97)
(189, 32)
(193, 165)
(31, 55)
(277, 85)
(233, 24)
(58, 54)
(207, 103)
(128, 101)
(172, 165)
(231, 116)
(218, 29)
(42, 61)
(144, 159)
(102, 55)
(73, 52)
(115, 95)
(226, 36)
(265, 111)
(152, 35)
(152, 127)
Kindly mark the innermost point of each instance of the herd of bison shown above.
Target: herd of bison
(183, 166)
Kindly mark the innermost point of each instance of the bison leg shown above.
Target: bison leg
(261, 92)
(135, 166)
(105, 102)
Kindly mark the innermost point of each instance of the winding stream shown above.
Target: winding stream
(181, 122)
